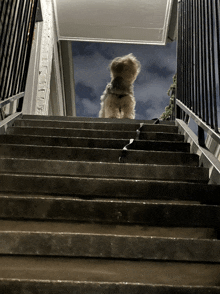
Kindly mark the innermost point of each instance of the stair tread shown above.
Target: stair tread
(161, 129)
(105, 229)
(109, 241)
(154, 213)
(112, 271)
(105, 187)
(104, 169)
(81, 129)
(107, 143)
(95, 133)
(46, 150)
(84, 118)
(124, 141)
(98, 124)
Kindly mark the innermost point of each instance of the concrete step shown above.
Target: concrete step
(77, 275)
(119, 125)
(49, 148)
(104, 170)
(101, 187)
(109, 210)
(104, 226)
(90, 133)
(105, 143)
(92, 119)
(108, 241)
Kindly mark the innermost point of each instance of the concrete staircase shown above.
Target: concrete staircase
(78, 214)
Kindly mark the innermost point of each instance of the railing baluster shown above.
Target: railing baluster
(201, 92)
(4, 21)
(202, 59)
(196, 58)
(8, 49)
(193, 58)
(25, 24)
(179, 58)
(20, 48)
(3, 34)
(210, 64)
(215, 58)
(217, 18)
(190, 54)
(28, 53)
(188, 67)
(5, 29)
(1, 7)
(184, 57)
(205, 76)
(31, 32)
(212, 37)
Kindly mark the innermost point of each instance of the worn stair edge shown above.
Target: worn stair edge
(72, 132)
(101, 187)
(99, 119)
(104, 229)
(121, 143)
(111, 271)
(90, 133)
(106, 241)
(38, 207)
(111, 124)
(105, 170)
(106, 246)
(42, 151)
(21, 286)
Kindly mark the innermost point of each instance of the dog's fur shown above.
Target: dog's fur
(118, 99)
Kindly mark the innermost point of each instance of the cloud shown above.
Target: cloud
(91, 108)
(89, 49)
(157, 70)
(83, 48)
(92, 71)
(86, 107)
(84, 91)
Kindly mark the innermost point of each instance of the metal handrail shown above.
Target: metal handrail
(11, 99)
(199, 122)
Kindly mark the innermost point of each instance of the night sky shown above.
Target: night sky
(91, 73)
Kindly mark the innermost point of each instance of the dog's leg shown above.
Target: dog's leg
(102, 111)
(112, 113)
(102, 107)
(128, 108)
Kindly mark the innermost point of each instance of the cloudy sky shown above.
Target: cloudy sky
(91, 74)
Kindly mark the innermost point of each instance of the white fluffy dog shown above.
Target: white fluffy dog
(118, 99)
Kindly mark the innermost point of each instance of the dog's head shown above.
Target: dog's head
(127, 67)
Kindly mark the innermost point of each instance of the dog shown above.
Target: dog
(118, 99)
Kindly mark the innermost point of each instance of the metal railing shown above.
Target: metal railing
(17, 20)
(198, 65)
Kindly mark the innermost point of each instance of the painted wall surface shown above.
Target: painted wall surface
(122, 21)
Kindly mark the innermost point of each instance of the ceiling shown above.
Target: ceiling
(118, 21)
